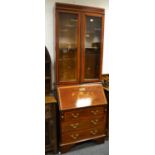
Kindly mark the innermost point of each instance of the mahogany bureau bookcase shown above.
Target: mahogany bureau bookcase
(79, 53)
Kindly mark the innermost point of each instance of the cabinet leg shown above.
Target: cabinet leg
(66, 148)
(99, 140)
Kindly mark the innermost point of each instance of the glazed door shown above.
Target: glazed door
(92, 39)
(67, 47)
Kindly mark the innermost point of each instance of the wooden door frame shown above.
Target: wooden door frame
(83, 46)
(58, 82)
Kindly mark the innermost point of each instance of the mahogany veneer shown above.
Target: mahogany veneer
(79, 43)
(79, 53)
(83, 112)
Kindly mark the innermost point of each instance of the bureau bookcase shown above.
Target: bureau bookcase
(79, 53)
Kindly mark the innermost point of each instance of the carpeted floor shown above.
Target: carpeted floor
(89, 148)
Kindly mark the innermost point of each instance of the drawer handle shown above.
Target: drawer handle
(94, 132)
(94, 122)
(75, 125)
(75, 136)
(94, 112)
(75, 115)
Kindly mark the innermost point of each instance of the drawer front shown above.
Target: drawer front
(83, 124)
(83, 113)
(75, 96)
(82, 135)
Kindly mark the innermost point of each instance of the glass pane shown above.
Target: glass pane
(67, 47)
(92, 47)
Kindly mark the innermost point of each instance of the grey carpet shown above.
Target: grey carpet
(89, 148)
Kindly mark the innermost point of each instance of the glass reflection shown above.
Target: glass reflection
(92, 47)
(83, 102)
(67, 47)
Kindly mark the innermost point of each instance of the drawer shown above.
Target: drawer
(83, 113)
(82, 135)
(82, 124)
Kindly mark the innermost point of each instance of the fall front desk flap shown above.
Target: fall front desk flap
(79, 96)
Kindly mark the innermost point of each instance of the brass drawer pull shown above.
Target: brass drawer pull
(94, 132)
(94, 112)
(75, 115)
(75, 125)
(74, 136)
(94, 122)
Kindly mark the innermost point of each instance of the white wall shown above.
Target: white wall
(95, 3)
(50, 32)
